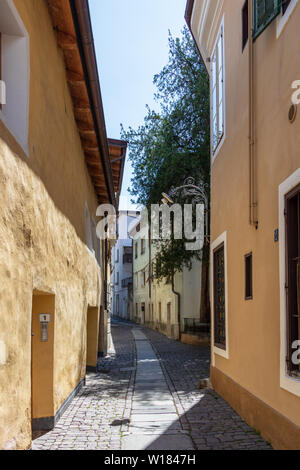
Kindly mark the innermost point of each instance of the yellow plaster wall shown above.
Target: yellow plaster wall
(42, 234)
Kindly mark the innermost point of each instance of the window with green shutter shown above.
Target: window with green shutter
(264, 12)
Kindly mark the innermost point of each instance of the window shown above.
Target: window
(118, 304)
(143, 279)
(292, 215)
(159, 312)
(136, 280)
(143, 249)
(264, 12)
(219, 297)
(127, 255)
(285, 4)
(117, 279)
(15, 73)
(248, 277)
(136, 248)
(245, 24)
(217, 74)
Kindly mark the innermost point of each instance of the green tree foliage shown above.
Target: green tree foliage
(174, 143)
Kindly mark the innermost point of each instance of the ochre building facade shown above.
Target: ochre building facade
(251, 53)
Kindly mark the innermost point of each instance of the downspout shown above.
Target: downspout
(253, 219)
(132, 277)
(150, 263)
(179, 306)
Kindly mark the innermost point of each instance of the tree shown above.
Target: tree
(174, 143)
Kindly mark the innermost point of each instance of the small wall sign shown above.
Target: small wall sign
(45, 318)
(276, 236)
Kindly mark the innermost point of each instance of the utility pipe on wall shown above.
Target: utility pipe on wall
(253, 219)
(179, 305)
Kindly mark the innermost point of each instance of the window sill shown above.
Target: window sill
(221, 352)
(21, 142)
(215, 154)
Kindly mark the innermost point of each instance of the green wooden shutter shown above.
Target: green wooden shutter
(264, 12)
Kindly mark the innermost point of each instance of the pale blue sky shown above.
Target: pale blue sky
(131, 39)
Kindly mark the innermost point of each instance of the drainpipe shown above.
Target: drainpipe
(150, 264)
(179, 305)
(253, 219)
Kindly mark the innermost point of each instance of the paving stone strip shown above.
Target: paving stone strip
(154, 420)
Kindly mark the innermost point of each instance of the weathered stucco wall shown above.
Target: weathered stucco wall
(42, 235)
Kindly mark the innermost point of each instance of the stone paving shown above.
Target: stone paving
(93, 421)
(145, 397)
(211, 422)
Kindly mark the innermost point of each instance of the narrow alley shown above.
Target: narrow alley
(145, 396)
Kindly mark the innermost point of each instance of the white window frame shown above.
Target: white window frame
(14, 55)
(282, 20)
(220, 36)
(287, 382)
(221, 240)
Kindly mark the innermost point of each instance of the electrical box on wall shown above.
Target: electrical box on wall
(45, 319)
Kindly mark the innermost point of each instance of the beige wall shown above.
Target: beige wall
(254, 326)
(42, 235)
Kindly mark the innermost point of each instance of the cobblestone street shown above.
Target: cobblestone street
(145, 397)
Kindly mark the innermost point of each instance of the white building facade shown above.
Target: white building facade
(121, 269)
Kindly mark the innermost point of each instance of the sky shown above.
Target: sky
(131, 41)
